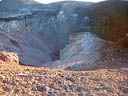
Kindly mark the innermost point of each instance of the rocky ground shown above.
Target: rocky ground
(89, 65)
(17, 80)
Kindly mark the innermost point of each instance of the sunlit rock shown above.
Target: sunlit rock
(8, 58)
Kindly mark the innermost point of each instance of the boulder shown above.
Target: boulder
(8, 58)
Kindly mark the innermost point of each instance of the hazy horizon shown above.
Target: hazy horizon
(50, 1)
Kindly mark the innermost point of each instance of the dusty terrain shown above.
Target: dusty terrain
(17, 80)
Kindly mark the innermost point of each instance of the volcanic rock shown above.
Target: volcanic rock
(108, 19)
(36, 32)
(8, 58)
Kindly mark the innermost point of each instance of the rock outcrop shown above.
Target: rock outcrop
(86, 51)
(36, 32)
(108, 19)
(85, 44)
(8, 58)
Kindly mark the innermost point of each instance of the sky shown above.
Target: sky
(49, 1)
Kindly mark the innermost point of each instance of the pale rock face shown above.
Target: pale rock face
(84, 44)
(86, 51)
(83, 50)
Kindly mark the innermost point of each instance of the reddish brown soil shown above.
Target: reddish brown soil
(16, 80)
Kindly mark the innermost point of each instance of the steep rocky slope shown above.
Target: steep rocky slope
(107, 48)
(36, 32)
(86, 51)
